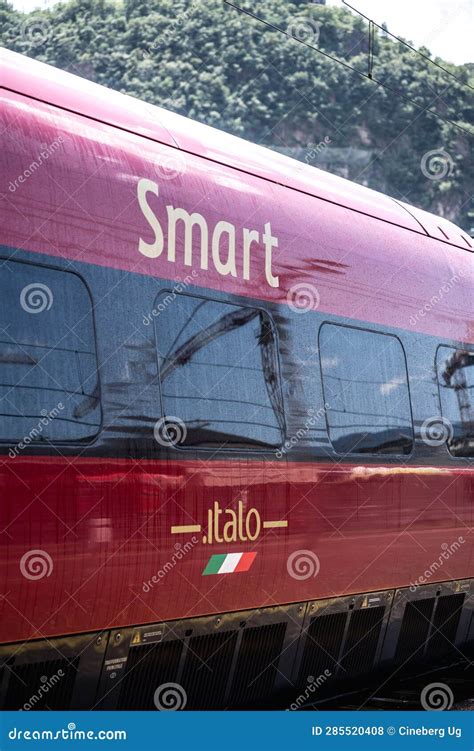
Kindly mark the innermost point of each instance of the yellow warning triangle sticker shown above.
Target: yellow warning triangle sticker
(136, 638)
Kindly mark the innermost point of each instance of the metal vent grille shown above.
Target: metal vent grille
(257, 662)
(41, 685)
(322, 647)
(414, 630)
(207, 668)
(362, 640)
(445, 624)
(147, 668)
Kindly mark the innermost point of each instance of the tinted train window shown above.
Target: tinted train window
(366, 390)
(456, 387)
(219, 372)
(48, 369)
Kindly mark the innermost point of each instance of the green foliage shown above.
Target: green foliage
(204, 59)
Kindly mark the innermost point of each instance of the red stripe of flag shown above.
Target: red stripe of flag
(245, 562)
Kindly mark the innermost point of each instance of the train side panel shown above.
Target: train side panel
(106, 510)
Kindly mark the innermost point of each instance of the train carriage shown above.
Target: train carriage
(237, 425)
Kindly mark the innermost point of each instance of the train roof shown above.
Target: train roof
(67, 91)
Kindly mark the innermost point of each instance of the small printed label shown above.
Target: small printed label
(116, 664)
(146, 637)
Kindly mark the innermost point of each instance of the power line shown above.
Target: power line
(368, 76)
(373, 23)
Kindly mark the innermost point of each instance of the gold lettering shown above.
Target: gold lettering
(230, 527)
(253, 512)
(217, 512)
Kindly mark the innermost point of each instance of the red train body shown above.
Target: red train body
(136, 221)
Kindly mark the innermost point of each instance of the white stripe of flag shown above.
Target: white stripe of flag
(230, 563)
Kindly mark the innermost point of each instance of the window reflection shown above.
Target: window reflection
(366, 390)
(48, 370)
(219, 372)
(456, 387)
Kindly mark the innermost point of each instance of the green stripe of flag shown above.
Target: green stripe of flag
(214, 564)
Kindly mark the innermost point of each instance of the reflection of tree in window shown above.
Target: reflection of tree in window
(366, 389)
(219, 373)
(47, 359)
(456, 384)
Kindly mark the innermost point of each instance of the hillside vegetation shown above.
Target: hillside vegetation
(204, 59)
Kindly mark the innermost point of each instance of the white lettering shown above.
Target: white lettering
(154, 249)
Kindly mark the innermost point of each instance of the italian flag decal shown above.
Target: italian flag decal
(229, 563)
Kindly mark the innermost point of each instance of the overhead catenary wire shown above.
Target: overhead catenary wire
(368, 77)
(430, 60)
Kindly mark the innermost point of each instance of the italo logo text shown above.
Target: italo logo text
(238, 252)
(225, 525)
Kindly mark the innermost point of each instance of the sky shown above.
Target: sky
(446, 27)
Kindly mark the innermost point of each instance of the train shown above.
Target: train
(237, 433)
